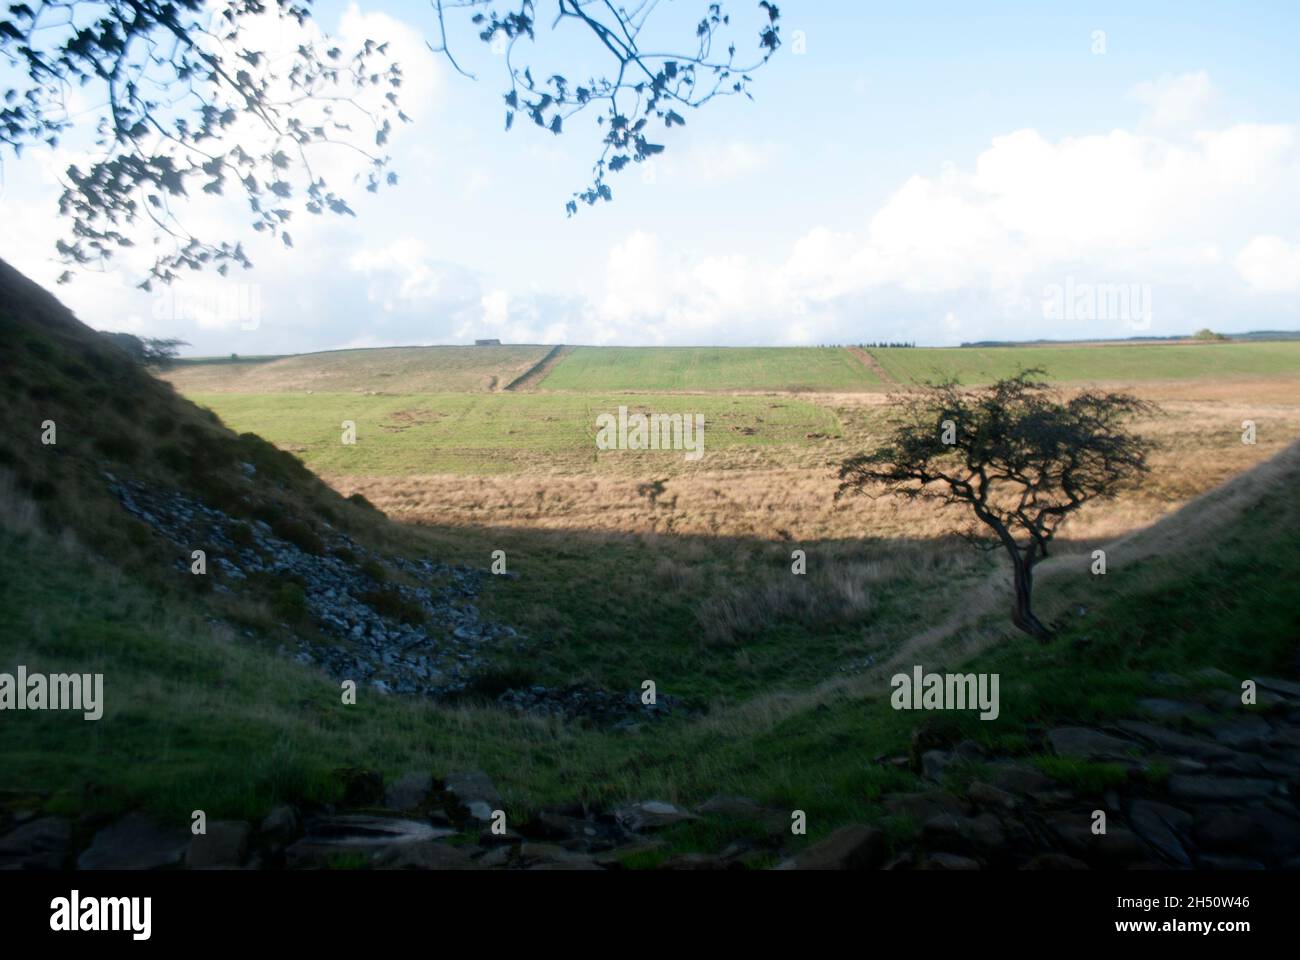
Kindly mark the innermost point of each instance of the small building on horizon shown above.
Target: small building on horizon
(487, 343)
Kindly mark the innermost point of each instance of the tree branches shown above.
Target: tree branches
(642, 85)
(193, 103)
(202, 97)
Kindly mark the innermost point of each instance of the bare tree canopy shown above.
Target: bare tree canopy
(188, 97)
(1021, 456)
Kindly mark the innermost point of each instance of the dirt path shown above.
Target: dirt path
(872, 364)
(534, 375)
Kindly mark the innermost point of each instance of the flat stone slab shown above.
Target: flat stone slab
(425, 855)
(651, 815)
(1172, 709)
(409, 792)
(1176, 743)
(1087, 742)
(475, 792)
(1243, 732)
(1151, 822)
(1218, 789)
(135, 843)
(366, 831)
(224, 845)
(36, 845)
(855, 847)
(1286, 688)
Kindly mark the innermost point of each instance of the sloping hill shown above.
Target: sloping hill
(115, 461)
(377, 370)
(709, 368)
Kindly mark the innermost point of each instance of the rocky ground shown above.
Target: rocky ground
(1200, 783)
(398, 638)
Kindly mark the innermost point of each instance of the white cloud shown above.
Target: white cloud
(981, 243)
(1270, 265)
(718, 162)
(1179, 102)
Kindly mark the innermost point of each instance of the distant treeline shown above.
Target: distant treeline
(864, 346)
(1199, 335)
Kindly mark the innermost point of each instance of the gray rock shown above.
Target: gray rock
(695, 861)
(1229, 831)
(1176, 743)
(474, 793)
(1088, 743)
(934, 763)
(651, 815)
(948, 861)
(361, 830)
(982, 834)
(1019, 778)
(1202, 788)
(921, 807)
(425, 855)
(1286, 688)
(1151, 821)
(855, 847)
(1172, 709)
(331, 837)
(135, 843)
(987, 795)
(743, 808)
(1215, 862)
(408, 792)
(281, 823)
(1243, 733)
(224, 845)
(1054, 861)
(42, 844)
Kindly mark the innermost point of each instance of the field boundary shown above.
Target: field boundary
(872, 364)
(531, 378)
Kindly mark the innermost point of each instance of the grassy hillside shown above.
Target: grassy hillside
(1120, 362)
(379, 370)
(606, 369)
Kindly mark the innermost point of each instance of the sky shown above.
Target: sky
(925, 172)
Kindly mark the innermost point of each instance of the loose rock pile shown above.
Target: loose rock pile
(1206, 784)
(439, 657)
(435, 658)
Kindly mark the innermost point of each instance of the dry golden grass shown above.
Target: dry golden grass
(1199, 447)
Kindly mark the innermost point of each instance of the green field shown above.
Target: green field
(497, 433)
(610, 369)
(1118, 362)
(380, 370)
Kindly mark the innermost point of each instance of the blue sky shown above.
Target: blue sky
(930, 172)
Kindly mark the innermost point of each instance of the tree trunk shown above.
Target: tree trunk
(1023, 616)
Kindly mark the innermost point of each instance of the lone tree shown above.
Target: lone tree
(1019, 455)
(241, 98)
